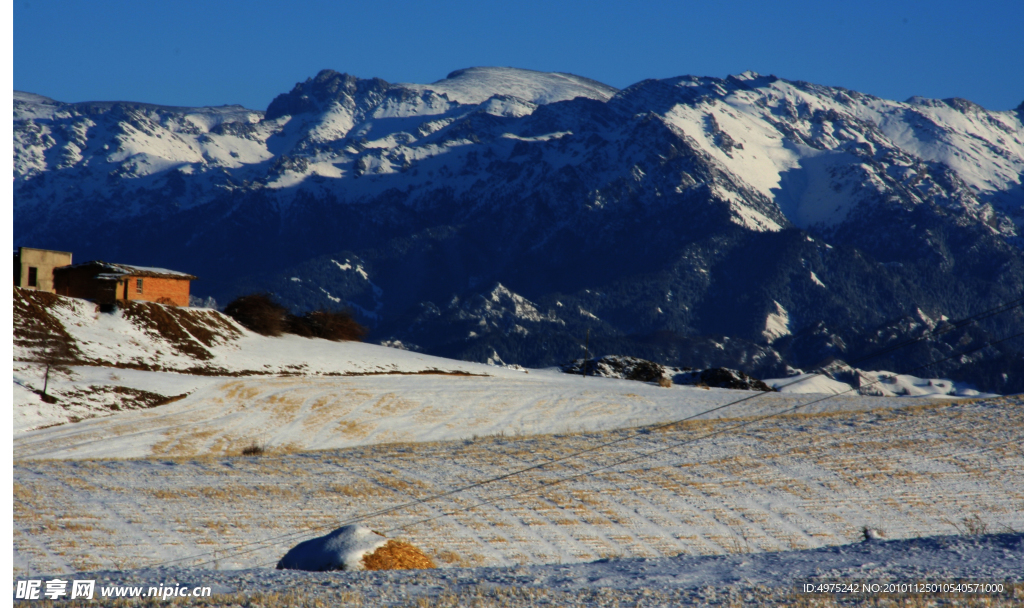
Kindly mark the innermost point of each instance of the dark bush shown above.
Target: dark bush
(722, 377)
(300, 326)
(334, 325)
(259, 313)
(254, 449)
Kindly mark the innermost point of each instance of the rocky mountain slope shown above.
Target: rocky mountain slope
(748, 222)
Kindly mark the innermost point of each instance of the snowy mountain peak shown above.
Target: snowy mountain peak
(31, 97)
(319, 92)
(747, 75)
(476, 85)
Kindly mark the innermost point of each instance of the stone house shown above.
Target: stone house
(33, 268)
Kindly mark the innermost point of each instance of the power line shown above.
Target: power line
(282, 538)
(549, 484)
(680, 444)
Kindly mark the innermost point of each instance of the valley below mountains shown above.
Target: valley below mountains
(517, 217)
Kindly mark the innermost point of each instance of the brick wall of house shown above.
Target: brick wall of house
(81, 282)
(155, 289)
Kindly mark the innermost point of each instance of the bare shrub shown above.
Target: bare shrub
(337, 325)
(254, 449)
(971, 524)
(665, 382)
(54, 353)
(873, 533)
(975, 525)
(259, 312)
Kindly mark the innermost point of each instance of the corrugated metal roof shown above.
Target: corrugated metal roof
(119, 271)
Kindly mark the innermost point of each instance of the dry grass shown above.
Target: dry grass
(397, 555)
(461, 559)
(693, 502)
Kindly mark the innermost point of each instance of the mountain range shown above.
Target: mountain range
(531, 218)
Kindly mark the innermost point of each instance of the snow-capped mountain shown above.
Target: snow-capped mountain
(792, 218)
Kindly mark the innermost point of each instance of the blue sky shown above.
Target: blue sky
(224, 51)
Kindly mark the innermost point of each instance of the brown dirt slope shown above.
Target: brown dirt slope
(35, 323)
(188, 331)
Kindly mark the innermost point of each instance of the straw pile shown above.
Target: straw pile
(397, 555)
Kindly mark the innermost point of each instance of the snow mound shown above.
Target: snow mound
(477, 85)
(354, 548)
(809, 384)
(342, 549)
(840, 379)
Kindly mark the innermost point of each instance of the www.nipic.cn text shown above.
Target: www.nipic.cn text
(56, 589)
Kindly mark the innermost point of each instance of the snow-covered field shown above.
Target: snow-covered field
(702, 488)
(284, 414)
(744, 500)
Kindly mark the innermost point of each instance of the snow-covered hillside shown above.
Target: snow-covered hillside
(792, 218)
(199, 341)
(707, 487)
(196, 382)
(876, 383)
(819, 152)
(143, 354)
(349, 432)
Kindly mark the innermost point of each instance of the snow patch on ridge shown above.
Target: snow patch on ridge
(777, 324)
(348, 266)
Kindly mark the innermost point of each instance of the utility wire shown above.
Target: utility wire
(675, 445)
(1001, 308)
(549, 484)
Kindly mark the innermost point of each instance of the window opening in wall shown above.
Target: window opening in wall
(33, 273)
(138, 285)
